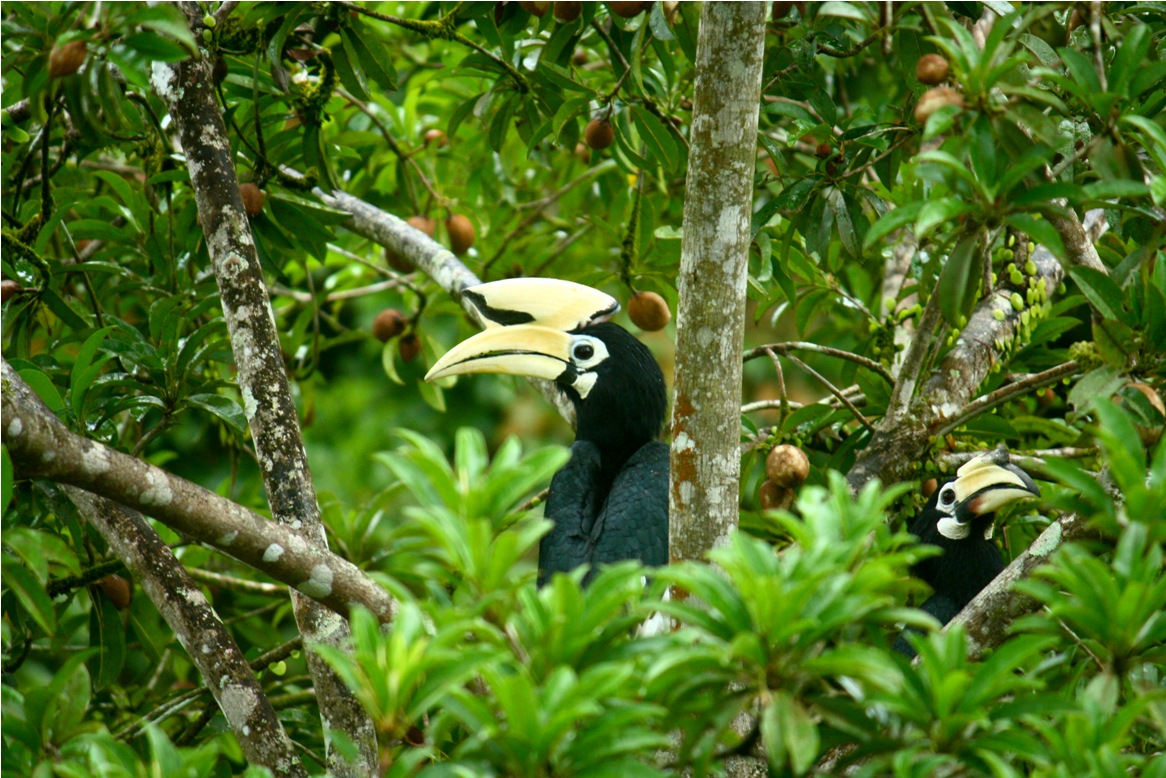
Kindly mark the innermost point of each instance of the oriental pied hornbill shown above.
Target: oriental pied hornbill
(610, 501)
(960, 519)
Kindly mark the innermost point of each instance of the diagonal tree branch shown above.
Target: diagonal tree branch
(208, 643)
(903, 440)
(42, 447)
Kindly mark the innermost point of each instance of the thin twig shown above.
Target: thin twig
(788, 346)
(1007, 392)
(913, 361)
(833, 390)
(236, 584)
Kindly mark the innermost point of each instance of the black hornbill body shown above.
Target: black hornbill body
(960, 519)
(610, 502)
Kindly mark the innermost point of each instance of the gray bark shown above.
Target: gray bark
(198, 628)
(42, 447)
(903, 436)
(710, 320)
(188, 90)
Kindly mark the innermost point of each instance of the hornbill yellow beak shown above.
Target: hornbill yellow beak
(520, 349)
(981, 487)
(531, 330)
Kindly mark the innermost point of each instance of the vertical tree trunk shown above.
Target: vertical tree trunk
(188, 89)
(706, 411)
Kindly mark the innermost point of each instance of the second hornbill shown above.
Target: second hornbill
(610, 501)
(960, 519)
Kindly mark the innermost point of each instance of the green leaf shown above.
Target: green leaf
(374, 61)
(348, 68)
(1081, 69)
(1101, 291)
(893, 220)
(1039, 230)
(44, 387)
(656, 137)
(156, 47)
(959, 280)
(31, 593)
(222, 407)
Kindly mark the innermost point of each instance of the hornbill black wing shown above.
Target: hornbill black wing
(634, 521)
(942, 607)
(572, 504)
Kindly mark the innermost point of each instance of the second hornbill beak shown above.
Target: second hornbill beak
(981, 487)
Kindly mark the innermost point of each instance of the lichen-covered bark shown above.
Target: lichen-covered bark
(710, 320)
(903, 436)
(208, 643)
(188, 90)
(42, 447)
(987, 619)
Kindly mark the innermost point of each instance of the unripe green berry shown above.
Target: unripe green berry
(1016, 278)
(998, 315)
(1030, 267)
(1017, 301)
(209, 21)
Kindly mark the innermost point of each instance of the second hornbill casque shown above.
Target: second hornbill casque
(610, 501)
(960, 519)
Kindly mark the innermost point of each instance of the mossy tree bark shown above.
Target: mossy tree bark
(706, 461)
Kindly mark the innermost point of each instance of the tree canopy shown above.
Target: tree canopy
(235, 237)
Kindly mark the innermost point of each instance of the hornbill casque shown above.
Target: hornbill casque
(960, 519)
(610, 501)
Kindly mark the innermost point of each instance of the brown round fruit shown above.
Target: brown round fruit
(388, 324)
(423, 223)
(629, 9)
(775, 498)
(436, 136)
(409, 347)
(823, 150)
(67, 59)
(398, 262)
(787, 466)
(252, 199)
(649, 311)
(8, 287)
(599, 134)
(935, 98)
(536, 8)
(931, 69)
(582, 152)
(567, 11)
(461, 233)
(929, 486)
(117, 590)
(781, 9)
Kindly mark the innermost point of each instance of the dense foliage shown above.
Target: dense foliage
(877, 197)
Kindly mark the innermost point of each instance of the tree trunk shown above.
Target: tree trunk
(710, 322)
(188, 89)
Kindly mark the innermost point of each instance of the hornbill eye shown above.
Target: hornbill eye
(947, 496)
(584, 351)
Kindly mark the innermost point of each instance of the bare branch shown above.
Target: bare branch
(42, 447)
(208, 644)
(788, 346)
